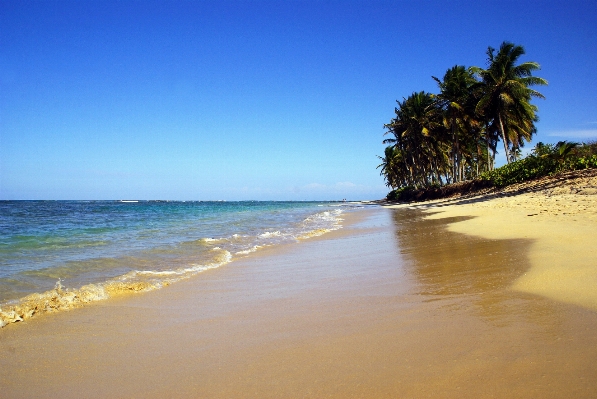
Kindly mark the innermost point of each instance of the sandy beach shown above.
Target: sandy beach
(483, 297)
(559, 214)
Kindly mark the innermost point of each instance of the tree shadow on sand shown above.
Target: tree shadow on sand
(464, 272)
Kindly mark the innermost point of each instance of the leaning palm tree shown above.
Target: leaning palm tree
(506, 94)
(390, 166)
(414, 129)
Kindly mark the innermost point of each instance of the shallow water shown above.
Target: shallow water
(102, 247)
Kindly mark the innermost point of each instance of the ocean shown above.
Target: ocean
(61, 254)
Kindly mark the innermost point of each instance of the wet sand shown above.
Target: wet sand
(559, 217)
(396, 304)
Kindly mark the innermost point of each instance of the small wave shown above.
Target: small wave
(51, 301)
(211, 239)
(269, 234)
(313, 233)
(321, 223)
(61, 298)
(250, 250)
(207, 241)
(331, 218)
(223, 258)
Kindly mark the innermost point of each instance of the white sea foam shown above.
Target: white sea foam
(223, 258)
(321, 223)
(211, 239)
(254, 248)
(269, 234)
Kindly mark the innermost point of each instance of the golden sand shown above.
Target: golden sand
(396, 304)
(561, 220)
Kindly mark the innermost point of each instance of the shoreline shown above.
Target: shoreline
(395, 304)
(58, 297)
(558, 214)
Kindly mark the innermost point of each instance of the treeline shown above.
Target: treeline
(544, 160)
(451, 136)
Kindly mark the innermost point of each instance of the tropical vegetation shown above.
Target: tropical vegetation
(544, 160)
(447, 137)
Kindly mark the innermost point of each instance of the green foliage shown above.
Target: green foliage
(401, 194)
(451, 136)
(527, 168)
(436, 140)
(506, 96)
(588, 162)
(542, 149)
(546, 159)
(582, 157)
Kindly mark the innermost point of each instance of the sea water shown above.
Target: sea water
(60, 254)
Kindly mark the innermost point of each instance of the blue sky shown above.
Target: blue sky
(241, 100)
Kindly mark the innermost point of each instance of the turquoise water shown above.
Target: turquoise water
(139, 245)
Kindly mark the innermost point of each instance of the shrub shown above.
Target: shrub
(401, 194)
(583, 163)
(527, 168)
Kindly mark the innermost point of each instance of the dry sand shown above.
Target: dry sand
(397, 304)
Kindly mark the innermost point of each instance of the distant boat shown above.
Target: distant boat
(128, 201)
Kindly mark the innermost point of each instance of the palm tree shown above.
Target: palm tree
(506, 94)
(414, 130)
(561, 151)
(457, 115)
(389, 165)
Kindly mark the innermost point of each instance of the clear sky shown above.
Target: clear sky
(241, 100)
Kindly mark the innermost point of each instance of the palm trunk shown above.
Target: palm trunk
(461, 172)
(488, 154)
(504, 138)
(457, 176)
(479, 155)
